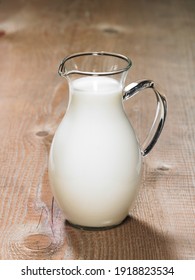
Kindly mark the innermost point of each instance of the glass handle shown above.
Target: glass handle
(160, 116)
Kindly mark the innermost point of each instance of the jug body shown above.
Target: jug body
(95, 159)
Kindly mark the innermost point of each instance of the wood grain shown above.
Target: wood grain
(34, 36)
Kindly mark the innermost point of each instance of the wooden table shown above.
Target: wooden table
(159, 36)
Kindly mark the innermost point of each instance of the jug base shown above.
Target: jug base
(88, 228)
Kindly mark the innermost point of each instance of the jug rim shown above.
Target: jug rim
(63, 71)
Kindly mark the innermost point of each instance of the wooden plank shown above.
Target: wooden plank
(34, 36)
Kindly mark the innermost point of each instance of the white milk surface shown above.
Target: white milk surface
(95, 161)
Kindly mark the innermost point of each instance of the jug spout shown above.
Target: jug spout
(62, 70)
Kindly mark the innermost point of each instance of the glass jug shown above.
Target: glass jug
(95, 161)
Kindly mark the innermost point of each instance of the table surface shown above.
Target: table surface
(159, 37)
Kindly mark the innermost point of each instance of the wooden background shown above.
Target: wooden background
(159, 36)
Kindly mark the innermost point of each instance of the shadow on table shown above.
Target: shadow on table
(133, 239)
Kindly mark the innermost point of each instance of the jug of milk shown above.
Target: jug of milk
(95, 161)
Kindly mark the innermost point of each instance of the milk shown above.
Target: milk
(95, 160)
